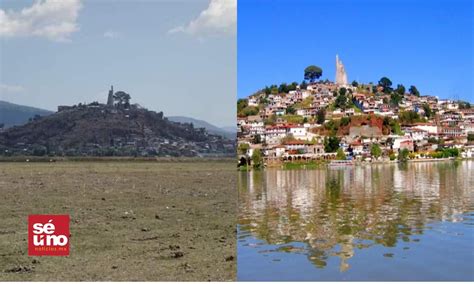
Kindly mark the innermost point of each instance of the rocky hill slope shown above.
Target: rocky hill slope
(98, 130)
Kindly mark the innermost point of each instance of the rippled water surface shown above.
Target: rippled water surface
(383, 222)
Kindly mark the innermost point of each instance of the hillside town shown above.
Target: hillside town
(117, 128)
(323, 120)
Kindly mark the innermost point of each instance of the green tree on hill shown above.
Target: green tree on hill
(312, 73)
(345, 121)
(341, 101)
(320, 116)
(257, 139)
(241, 104)
(303, 85)
(292, 86)
(122, 99)
(395, 99)
(257, 159)
(450, 152)
(332, 126)
(374, 89)
(395, 127)
(375, 151)
(403, 155)
(342, 91)
(428, 111)
(386, 84)
(243, 109)
(340, 154)
(464, 105)
(290, 110)
(408, 117)
(267, 90)
(331, 144)
(400, 89)
(414, 91)
(243, 148)
(283, 89)
(263, 101)
(392, 156)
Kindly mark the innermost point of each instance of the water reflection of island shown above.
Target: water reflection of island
(336, 211)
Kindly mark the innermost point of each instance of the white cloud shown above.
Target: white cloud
(52, 19)
(220, 17)
(111, 34)
(11, 89)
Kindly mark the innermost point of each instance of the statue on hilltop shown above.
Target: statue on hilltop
(110, 98)
(341, 76)
(118, 99)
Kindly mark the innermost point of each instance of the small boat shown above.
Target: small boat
(341, 163)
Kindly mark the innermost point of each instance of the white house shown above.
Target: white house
(274, 134)
(468, 151)
(417, 134)
(279, 111)
(432, 129)
(397, 143)
(298, 131)
(257, 128)
(253, 101)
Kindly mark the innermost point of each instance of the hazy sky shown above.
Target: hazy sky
(426, 43)
(178, 57)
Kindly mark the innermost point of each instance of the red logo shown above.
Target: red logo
(48, 235)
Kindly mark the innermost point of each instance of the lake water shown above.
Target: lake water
(383, 222)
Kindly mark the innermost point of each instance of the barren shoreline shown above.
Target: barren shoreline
(134, 221)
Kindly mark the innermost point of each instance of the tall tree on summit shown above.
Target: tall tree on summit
(122, 99)
(386, 84)
(312, 73)
(414, 91)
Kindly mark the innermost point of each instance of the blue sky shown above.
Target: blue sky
(173, 56)
(428, 44)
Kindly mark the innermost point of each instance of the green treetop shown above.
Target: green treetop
(312, 73)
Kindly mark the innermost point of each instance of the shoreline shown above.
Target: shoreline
(34, 159)
(325, 164)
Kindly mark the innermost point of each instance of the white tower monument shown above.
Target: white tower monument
(341, 76)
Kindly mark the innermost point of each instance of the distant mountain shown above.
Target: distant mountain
(226, 132)
(13, 114)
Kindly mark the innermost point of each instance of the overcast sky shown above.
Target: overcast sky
(178, 57)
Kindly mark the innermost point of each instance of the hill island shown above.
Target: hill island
(116, 128)
(322, 120)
